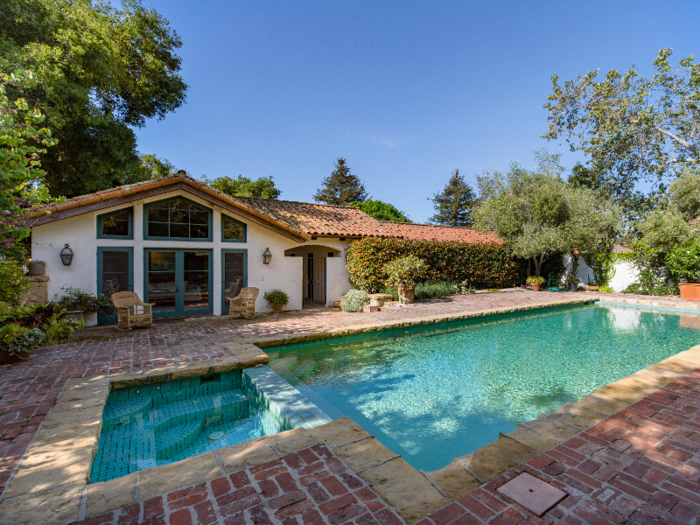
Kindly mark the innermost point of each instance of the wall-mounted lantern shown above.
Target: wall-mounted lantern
(267, 255)
(66, 255)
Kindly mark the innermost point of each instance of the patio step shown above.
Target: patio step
(126, 412)
(176, 439)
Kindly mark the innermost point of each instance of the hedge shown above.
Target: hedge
(481, 265)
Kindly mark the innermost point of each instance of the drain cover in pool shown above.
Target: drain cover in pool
(216, 435)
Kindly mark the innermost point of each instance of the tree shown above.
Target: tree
(684, 194)
(262, 188)
(454, 205)
(632, 129)
(382, 211)
(156, 168)
(341, 187)
(539, 215)
(21, 143)
(102, 71)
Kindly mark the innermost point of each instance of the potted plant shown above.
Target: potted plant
(277, 300)
(572, 282)
(535, 282)
(403, 274)
(36, 268)
(78, 302)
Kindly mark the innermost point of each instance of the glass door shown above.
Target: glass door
(234, 275)
(178, 282)
(114, 274)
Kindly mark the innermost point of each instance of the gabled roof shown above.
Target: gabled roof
(300, 219)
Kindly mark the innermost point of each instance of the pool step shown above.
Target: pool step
(229, 406)
(125, 412)
(176, 439)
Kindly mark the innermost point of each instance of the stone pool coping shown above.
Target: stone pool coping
(51, 482)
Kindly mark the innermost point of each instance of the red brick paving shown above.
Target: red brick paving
(274, 492)
(641, 465)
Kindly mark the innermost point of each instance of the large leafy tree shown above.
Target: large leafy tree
(539, 215)
(22, 140)
(382, 211)
(455, 203)
(102, 71)
(631, 128)
(262, 188)
(341, 187)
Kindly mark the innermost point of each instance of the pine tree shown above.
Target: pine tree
(341, 187)
(454, 205)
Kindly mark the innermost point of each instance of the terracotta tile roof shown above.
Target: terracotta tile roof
(301, 218)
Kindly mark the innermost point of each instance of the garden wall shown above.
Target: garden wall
(625, 273)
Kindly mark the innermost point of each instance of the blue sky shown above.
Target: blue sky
(407, 91)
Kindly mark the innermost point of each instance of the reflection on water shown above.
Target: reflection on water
(433, 394)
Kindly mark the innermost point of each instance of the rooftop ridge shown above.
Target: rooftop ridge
(319, 204)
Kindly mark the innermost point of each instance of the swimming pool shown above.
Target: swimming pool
(438, 392)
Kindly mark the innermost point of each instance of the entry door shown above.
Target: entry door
(315, 289)
(114, 274)
(178, 282)
(234, 275)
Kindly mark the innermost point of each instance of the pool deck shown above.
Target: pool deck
(28, 393)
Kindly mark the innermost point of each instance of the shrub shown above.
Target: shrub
(465, 287)
(354, 300)
(276, 298)
(683, 262)
(23, 328)
(605, 289)
(12, 281)
(535, 280)
(659, 289)
(479, 265)
(404, 271)
(77, 299)
(428, 290)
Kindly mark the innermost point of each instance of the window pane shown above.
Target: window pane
(199, 217)
(116, 224)
(179, 230)
(115, 262)
(196, 261)
(157, 229)
(179, 216)
(233, 230)
(199, 231)
(161, 261)
(159, 214)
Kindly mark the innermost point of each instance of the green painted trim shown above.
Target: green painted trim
(243, 224)
(100, 219)
(224, 302)
(179, 310)
(112, 319)
(147, 206)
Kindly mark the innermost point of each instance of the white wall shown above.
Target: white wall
(625, 273)
(284, 273)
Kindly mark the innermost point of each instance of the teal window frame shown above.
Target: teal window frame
(112, 319)
(243, 224)
(148, 206)
(103, 216)
(179, 275)
(224, 302)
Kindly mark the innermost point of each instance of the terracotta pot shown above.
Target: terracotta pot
(10, 359)
(336, 304)
(277, 308)
(593, 288)
(690, 291)
(75, 314)
(535, 287)
(37, 268)
(406, 294)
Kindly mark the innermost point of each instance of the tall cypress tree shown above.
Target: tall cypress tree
(454, 204)
(341, 187)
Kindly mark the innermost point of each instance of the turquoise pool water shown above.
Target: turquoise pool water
(161, 423)
(433, 394)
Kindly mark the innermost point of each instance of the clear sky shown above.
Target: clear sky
(406, 90)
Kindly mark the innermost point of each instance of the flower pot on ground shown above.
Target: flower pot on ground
(403, 273)
(75, 314)
(593, 288)
(277, 300)
(690, 291)
(535, 282)
(37, 268)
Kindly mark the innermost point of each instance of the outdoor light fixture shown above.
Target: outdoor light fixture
(266, 256)
(66, 255)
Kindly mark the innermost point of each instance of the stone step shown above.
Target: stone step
(231, 405)
(125, 412)
(176, 439)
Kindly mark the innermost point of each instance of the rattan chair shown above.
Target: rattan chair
(131, 311)
(244, 302)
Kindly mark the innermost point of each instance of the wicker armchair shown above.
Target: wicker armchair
(131, 311)
(244, 303)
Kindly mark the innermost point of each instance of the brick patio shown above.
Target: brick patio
(28, 392)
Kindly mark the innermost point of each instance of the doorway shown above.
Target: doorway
(178, 282)
(315, 284)
(114, 274)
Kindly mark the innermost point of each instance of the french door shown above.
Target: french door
(234, 275)
(178, 282)
(115, 272)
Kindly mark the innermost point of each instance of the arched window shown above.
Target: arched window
(177, 219)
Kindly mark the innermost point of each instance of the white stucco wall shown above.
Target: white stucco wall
(284, 273)
(625, 273)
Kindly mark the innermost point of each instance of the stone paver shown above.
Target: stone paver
(641, 465)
